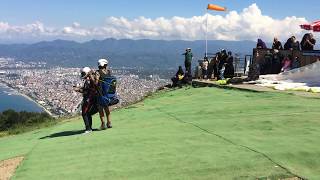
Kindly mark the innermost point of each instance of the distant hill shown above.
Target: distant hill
(125, 52)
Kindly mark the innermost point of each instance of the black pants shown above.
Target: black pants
(89, 108)
(87, 119)
(188, 69)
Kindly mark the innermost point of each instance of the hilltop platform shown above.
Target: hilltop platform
(249, 87)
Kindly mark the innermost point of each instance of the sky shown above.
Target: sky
(82, 20)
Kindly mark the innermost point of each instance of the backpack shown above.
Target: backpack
(108, 95)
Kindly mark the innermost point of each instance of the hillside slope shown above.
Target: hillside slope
(203, 133)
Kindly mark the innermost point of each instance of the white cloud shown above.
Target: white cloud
(75, 30)
(249, 24)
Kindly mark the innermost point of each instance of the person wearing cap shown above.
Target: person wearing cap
(89, 104)
(103, 72)
(187, 61)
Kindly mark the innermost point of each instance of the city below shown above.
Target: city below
(52, 88)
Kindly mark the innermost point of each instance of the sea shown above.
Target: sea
(10, 99)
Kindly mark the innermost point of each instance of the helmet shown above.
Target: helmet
(102, 62)
(85, 71)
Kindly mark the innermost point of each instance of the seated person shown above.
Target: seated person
(261, 44)
(286, 64)
(178, 78)
(276, 44)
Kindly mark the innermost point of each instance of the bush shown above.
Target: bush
(16, 122)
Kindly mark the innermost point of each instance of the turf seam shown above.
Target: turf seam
(232, 142)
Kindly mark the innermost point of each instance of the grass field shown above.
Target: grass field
(202, 133)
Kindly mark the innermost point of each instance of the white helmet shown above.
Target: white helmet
(102, 62)
(85, 71)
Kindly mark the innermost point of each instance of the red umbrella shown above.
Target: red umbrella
(315, 26)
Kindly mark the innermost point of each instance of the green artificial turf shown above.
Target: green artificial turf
(202, 133)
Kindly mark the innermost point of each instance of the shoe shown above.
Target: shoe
(87, 132)
(109, 125)
(103, 126)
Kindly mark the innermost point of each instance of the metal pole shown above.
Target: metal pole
(206, 33)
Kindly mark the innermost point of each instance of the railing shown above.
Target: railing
(241, 65)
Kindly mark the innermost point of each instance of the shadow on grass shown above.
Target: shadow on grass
(64, 134)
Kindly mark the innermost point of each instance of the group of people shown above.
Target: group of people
(99, 92)
(275, 62)
(307, 43)
(218, 67)
(182, 77)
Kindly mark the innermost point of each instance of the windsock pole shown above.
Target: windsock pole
(206, 33)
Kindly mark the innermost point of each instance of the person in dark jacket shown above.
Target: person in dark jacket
(288, 44)
(89, 101)
(292, 44)
(276, 44)
(178, 78)
(296, 63)
(261, 44)
(187, 61)
(295, 45)
(222, 62)
(308, 42)
(229, 72)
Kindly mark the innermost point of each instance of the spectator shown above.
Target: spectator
(276, 62)
(229, 72)
(205, 68)
(178, 78)
(295, 45)
(187, 61)
(286, 64)
(222, 62)
(276, 44)
(308, 42)
(261, 44)
(216, 64)
(296, 63)
(288, 44)
(266, 64)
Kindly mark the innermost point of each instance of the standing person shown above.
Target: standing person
(222, 64)
(276, 44)
(89, 104)
(103, 72)
(216, 65)
(205, 68)
(229, 72)
(187, 61)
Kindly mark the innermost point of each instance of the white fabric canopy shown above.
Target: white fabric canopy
(306, 78)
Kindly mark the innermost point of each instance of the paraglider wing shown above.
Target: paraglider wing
(216, 7)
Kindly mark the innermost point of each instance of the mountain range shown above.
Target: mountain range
(121, 53)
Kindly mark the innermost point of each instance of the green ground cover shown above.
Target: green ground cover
(202, 133)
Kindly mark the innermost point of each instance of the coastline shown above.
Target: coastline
(18, 93)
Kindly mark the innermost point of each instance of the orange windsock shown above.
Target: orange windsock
(216, 7)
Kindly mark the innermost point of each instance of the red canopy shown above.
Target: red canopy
(315, 26)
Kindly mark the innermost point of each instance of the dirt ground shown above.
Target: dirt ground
(8, 167)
